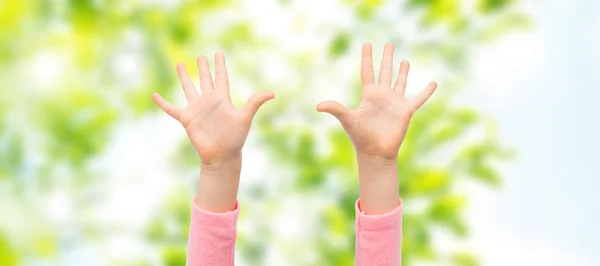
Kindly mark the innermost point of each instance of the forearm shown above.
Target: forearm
(378, 180)
(218, 185)
(378, 212)
(213, 225)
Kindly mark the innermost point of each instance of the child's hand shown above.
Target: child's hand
(377, 128)
(216, 128)
(378, 125)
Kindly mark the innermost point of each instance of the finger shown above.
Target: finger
(422, 97)
(334, 108)
(188, 86)
(385, 72)
(256, 101)
(400, 86)
(366, 69)
(206, 83)
(168, 108)
(221, 78)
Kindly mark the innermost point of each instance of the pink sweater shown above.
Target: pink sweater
(212, 237)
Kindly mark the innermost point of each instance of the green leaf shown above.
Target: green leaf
(427, 183)
(173, 255)
(441, 11)
(503, 25)
(342, 153)
(8, 255)
(485, 174)
(490, 6)
(446, 211)
(464, 116)
(336, 221)
(419, 3)
(12, 156)
(77, 123)
(416, 237)
(236, 35)
(339, 45)
(464, 259)
(366, 9)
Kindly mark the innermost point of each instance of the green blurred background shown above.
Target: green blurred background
(92, 173)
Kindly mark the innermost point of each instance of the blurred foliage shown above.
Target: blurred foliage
(67, 83)
(7, 254)
(76, 123)
(464, 259)
(339, 45)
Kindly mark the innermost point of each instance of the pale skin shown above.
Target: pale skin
(377, 128)
(218, 130)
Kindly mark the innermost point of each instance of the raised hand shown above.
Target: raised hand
(377, 128)
(217, 129)
(378, 125)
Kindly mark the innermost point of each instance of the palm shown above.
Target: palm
(216, 128)
(378, 125)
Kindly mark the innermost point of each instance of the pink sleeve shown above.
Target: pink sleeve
(212, 237)
(378, 238)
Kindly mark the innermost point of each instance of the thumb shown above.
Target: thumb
(256, 101)
(334, 108)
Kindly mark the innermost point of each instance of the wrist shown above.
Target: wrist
(378, 180)
(221, 165)
(376, 161)
(218, 184)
